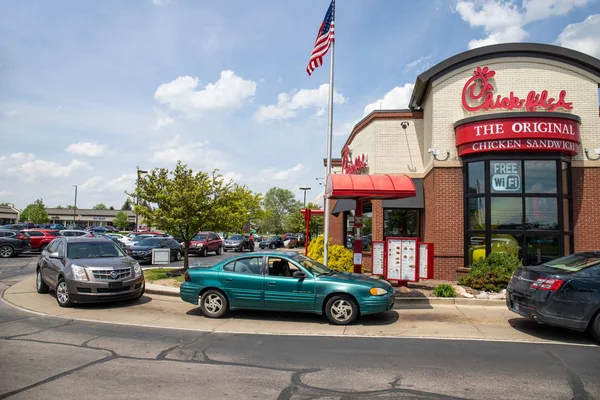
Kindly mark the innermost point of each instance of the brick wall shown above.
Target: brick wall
(336, 227)
(442, 220)
(586, 208)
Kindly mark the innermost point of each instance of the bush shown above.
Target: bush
(444, 290)
(339, 259)
(492, 273)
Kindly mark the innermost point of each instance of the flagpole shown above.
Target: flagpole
(329, 141)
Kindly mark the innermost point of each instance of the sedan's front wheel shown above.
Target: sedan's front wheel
(213, 304)
(6, 251)
(341, 310)
(62, 294)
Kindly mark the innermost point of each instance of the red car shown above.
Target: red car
(204, 242)
(40, 238)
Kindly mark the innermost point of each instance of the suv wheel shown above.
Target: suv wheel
(595, 327)
(40, 285)
(179, 256)
(213, 304)
(219, 250)
(62, 294)
(341, 310)
(204, 251)
(6, 251)
(272, 246)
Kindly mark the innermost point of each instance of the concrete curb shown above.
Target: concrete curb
(400, 302)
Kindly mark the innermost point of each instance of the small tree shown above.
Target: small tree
(35, 213)
(127, 205)
(100, 206)
(111, 208)
(121, 220)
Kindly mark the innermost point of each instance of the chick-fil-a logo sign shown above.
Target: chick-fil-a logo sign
(350, 166)
(477, 95)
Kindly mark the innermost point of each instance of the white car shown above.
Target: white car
(121, 238)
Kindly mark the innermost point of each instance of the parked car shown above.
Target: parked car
(16, 227)
(271, 243)
(142, 251)
(73, 232)
(238, 242)
(301, 237)
(257, 238)
(116, 241)
(111, 228)
(204, 242)
(563, 292)
(57, 227)
(40, 238)
(13, 243)
(136, 239)
(285, 282)
(82, 270)
(101, 229)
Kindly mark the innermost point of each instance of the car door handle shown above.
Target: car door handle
(228, 279)
(272, 283)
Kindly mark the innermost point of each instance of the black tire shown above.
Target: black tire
(43, 247)
(225, 250)
(272, 246)
(204, 252)
(40, 285)
(218, 252)
(341, 310)
(62, 294)
(178, 256)
(595, 327)
(214, 304)
(6, 251)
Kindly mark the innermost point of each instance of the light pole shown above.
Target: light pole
(137, 198)
(304, 189)
(75, 207)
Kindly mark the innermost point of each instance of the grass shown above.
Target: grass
(152, 275)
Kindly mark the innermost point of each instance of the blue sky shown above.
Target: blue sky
(90, 90)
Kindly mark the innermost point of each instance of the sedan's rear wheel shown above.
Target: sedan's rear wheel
(272, 246)
(6, 251)
(595, 327)
(40, 285)
(341, 310)
(62, 294)
(213, 304)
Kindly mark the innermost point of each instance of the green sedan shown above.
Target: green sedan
(285, 281)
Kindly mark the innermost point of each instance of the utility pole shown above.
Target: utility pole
(304, 189)
(75, 207)
(137, 198)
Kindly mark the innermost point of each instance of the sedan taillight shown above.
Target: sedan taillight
(547, 284)
(186, 276)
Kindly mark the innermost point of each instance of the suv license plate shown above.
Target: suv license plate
(115, 285)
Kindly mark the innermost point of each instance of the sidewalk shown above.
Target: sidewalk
(449, 321)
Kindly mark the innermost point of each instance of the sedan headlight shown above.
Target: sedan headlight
(137, 270)
(378, 291)
(198, 244)
(79, 273)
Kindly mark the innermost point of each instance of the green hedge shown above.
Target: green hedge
(492, 273)
(339, 257)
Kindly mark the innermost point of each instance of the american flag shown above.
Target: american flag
(324, 39)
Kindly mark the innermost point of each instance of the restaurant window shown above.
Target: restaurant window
(367, 230)
(518, 204)
(400, 222)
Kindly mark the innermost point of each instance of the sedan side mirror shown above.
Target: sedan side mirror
(299, 275)
(129, 252)
(55, 255)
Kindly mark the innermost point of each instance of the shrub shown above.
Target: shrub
(339, 258)
(492, 273)
(444, 290)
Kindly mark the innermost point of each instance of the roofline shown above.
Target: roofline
(335, 162)
(382, 114)
(536, 50)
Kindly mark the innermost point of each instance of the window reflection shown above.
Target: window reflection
(540, 176)
(541, 213)
(477, 213)
(476, 175)
(506, 213)
(540, 249)
(401, 222)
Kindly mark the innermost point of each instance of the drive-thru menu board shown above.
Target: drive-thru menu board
(425, 260)
(402, 259)
(378, 254)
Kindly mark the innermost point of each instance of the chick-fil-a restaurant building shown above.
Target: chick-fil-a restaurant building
(502, 145)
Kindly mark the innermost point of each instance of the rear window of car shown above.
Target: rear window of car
(575, 262)
(235, 237)
(199, 238)
(90, 249)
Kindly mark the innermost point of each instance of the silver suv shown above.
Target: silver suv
(84, 270)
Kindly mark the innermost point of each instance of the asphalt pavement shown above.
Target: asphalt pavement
(47, 357)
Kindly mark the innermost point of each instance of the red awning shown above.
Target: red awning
(385, 186)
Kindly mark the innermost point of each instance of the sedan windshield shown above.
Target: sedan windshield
(312, 266)
(150, 242)
(93, 250)
(235, 237)
(199, 238)
(575, 262)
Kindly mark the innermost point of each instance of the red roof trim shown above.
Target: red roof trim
(385, 186)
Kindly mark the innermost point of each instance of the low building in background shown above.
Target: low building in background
(87, 217)
(9, 214)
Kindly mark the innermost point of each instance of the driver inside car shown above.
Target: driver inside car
(281, 268)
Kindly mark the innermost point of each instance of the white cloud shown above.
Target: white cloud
(88, 149)
(160, 2)
(232, 176)
(419, 61)
(275, 174)
(288, 104)
(194, 154)
(504, 21)
(5, 193)
(343, 129)
(395, 99)
(163, 122)
(11, 113)
(30, 168)
(99, 184)
(582, 36)
(229, 92)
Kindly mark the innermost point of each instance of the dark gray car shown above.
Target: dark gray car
(84, 270)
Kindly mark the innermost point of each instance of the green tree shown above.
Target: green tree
(100, 206)
(59, 207)
(121, 220)
(294, 222)
(70, 207)
(127, 206)
(277, 205)
(181, 202)
(111, 208)
(35, 213)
